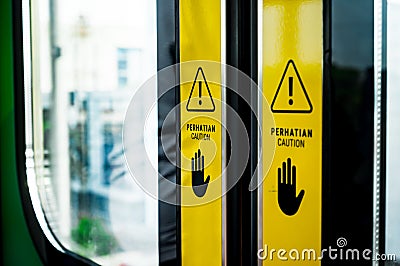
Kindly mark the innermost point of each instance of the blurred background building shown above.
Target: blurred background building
(93, 56)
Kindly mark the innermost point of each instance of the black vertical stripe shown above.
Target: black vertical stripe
(348, 126)
(167, 54)
(241, 204)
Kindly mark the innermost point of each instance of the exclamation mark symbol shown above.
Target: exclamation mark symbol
(200, 102)
(291, 90)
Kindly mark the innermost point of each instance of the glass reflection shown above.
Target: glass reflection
(393, 130)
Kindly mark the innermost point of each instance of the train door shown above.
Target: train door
(213, 132)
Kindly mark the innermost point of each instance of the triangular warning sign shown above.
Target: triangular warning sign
(291, 95)
(200, 99)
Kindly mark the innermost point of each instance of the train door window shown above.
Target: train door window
(87, 59)
(393, 130)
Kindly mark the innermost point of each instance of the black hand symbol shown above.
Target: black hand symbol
(288, 202)
(198, 184)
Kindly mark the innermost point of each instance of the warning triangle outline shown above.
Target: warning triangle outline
(200, 69)
(302, 87)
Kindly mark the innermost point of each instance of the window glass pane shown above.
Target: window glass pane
(89, 57)
(393, 130)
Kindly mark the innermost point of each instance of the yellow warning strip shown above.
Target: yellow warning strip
(292, 83)
(199, 26)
